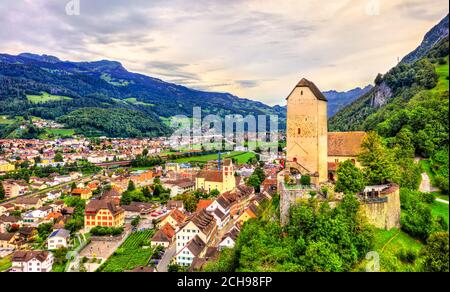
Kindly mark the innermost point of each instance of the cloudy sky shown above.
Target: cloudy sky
(256, 49)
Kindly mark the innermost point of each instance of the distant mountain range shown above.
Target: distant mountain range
(338, 100)
(83, 86)
(71, 91)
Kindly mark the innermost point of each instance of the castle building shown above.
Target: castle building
(311, 150)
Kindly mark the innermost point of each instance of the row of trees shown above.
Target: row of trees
(145, 194)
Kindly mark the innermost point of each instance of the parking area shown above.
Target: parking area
(4, 252)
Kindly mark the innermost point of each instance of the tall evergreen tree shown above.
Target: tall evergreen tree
(377, 160)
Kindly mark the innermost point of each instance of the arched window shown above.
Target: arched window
(299, 131)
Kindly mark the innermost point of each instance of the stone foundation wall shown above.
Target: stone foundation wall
(385, 215)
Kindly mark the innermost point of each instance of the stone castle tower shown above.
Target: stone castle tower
(307, 131)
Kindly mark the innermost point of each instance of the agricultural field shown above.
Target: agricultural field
(241, 157)
(134, 252)
(389, 245)
(5, 263)
(46, 97)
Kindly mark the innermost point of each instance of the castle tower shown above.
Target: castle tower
(307, 131)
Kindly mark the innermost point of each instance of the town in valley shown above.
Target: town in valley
(224, 136)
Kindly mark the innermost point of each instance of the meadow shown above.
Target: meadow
(389, 244)
(46, 97)
(240, 157)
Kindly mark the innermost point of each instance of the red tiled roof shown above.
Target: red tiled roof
(203, 204)
(345, 143)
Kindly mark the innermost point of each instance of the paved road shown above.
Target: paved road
(442, 201)
(165, 261)
(425, 184)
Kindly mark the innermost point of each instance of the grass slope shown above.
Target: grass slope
(388, 244)
(45, 97)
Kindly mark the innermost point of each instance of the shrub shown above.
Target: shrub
(407, 256)
(427, 198)
(305, 180)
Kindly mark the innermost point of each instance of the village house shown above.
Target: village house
(175, 218)
(209, 254)
(194, 248)
(180, 186)
(33, 217)
(15, 188)
(53, 195)
(164, 236)
(175, 205)
(32, 261)
(7, 222)
(251, 212)
(28, 203)
(58, 238)
(8, 240)
(229, 239)
(136, 209)
(84, 194)
(203, 204)
(203, 225)
(103, 213)
(5, 167)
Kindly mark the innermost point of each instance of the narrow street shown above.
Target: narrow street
(167, 257)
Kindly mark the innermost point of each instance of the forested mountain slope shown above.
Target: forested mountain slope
(69, 86)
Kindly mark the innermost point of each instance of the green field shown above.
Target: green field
(133, 100)
(61, 132)
(5, 120)
(45, 97)
(388, 244)
(106, 77)
(443, 82)
(131, 253)
(5, 263)
(440, 209)
(241, 157)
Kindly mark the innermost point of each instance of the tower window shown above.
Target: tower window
(301, 92)
(299, 131)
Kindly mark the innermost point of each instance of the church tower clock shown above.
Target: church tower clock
(307, 131)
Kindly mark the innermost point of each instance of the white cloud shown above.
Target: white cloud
(253, 49)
